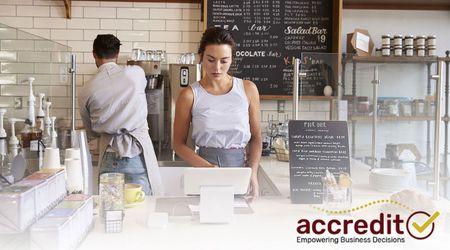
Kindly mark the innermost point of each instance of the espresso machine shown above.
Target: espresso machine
(155, 100)
(181, 76)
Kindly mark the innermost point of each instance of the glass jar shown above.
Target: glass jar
(111, 190)
(421, 51)
(398, 51)
(409, 51)
(135, 54)
(386, 51)
(150, 55)
(420, 41)
(409, 40)
(385, 40)
(431, 50)
(406, 108)
(363, 107)
(378, 52)
(431, 40)
(419, 107)
(398, 40)
(393, 107)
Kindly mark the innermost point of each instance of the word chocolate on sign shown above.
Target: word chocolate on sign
(314, 147)
(269, 34)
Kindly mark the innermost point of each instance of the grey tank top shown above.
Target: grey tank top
(220, 121)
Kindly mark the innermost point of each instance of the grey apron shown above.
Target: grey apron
(223, 157)
(151, 163)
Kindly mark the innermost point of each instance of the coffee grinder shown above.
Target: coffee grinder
(155, 100)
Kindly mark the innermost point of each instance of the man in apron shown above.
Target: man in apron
(113, 107)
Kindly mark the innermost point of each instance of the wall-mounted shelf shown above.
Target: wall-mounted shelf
(303, 98)
(367, 118)
(68, 5)
(398, 4)
(392, 59)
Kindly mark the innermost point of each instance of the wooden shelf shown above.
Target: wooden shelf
(397, 4)
(367, 118)
(445, 59)
(289, 97)
(392, 59)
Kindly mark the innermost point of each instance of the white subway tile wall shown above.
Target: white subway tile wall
(8, 10)
(149, 24)
(33, 11)
(133, 13)
(117, 24)
(174, 27)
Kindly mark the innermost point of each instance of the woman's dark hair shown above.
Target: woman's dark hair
(218, 36)
(106, 46)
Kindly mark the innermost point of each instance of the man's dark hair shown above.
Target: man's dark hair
(106, 46)
(217, 36)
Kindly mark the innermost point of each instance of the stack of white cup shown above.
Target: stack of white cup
(51, 158)
(73, 170)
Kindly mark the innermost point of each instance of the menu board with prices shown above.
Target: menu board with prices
(314, 147)
(269, 34)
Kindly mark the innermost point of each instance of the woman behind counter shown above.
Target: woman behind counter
(224, 112)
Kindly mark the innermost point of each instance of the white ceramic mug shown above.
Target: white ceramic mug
(51, 158)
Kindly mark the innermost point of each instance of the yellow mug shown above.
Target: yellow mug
(133, 193)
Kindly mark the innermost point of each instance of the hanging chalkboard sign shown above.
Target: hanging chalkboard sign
(269, 33)
(314, 147)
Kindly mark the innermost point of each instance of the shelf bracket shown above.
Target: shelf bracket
(68, 5)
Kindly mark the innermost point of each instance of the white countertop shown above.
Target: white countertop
(272, 225)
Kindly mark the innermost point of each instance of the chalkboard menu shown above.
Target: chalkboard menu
(269, 33)
(314, 147)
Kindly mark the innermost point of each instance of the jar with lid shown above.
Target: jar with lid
(385, 40)
(392, 106)
(421, 51)
(430, 107)
(378, 52)
(420, 41)
(409, 40)
(431, 40)
(406, 108)
(419, 107)
(398, 51)
(386, 51)
(398, 40)
(409, 51)
(363, 107)
(431, 50)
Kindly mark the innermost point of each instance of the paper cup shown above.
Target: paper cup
(73, 153)
(74, 175)
(51, 158)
